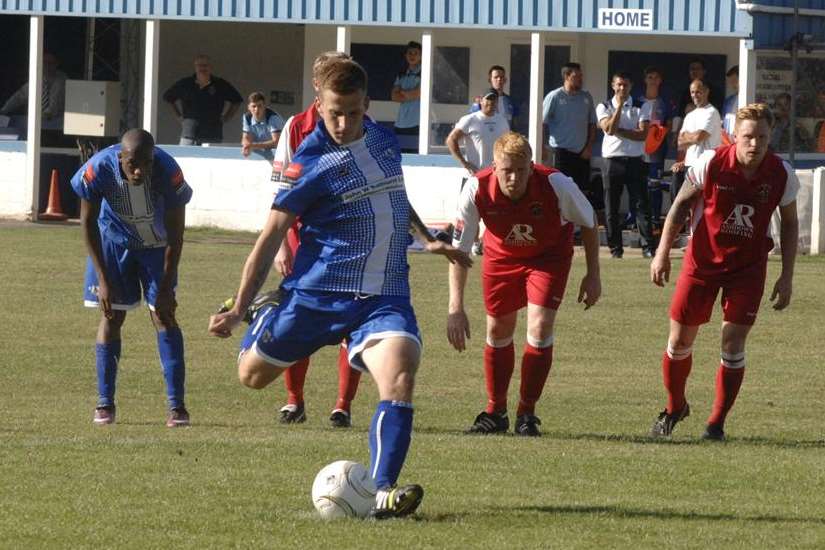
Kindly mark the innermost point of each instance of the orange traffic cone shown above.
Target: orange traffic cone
(54, 211)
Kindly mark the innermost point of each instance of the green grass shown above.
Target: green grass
(236, 478)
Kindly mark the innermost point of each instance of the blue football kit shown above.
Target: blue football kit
(133, 243)
(350, 274)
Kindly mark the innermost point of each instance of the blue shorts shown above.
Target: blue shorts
(132, 273)
(306, 321)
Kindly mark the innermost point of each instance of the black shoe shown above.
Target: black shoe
(713, 432)
(663, 427)
(617, 253)
(397, 502)
(486, 423)
(272, 297)
(340, 419)
(528, 425)
(292, 414)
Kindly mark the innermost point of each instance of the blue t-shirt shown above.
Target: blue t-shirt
(568, 118)
(131, 216)
(262, 130)
(354, 214)
(409, 112)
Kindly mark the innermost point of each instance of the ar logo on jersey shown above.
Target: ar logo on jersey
(739, 222)
(520, 235)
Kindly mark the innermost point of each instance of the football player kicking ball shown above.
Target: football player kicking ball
(529, 211)
(350, 277)
(132, 206)
(732, 192)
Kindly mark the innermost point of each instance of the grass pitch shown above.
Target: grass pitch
(236, 478)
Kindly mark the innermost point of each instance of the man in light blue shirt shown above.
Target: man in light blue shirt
(570, 117)
(406, 90)
(731, 104)
(261, 128)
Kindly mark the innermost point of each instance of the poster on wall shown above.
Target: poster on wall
(773, 86)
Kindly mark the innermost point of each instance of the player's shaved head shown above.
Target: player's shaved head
(137, 153)
(136, 140)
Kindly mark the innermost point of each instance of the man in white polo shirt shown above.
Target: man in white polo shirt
(625, 127)
(701, 131)
(478, 131)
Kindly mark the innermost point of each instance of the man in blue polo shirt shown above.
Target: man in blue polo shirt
(261, 128)
(568, 112)
(406, 90)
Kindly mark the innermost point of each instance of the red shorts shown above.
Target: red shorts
(509, 288)
(693, 299)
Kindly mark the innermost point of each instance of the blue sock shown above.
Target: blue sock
(170, 348)
(106, 358)
(390, 434)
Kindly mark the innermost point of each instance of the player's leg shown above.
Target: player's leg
(690, 308)
(295, 376)
(124, 295)
(348, 380)
(386, 341)
(728, 378)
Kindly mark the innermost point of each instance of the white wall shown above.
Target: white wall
(14, 201)
(251, 56)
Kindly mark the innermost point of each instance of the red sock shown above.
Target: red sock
(728, 382)
(294, 378)
(348, 379)
(675, 374)
(535, 366)
(498, 369)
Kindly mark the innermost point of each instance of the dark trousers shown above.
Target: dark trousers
(618, 173)
(573, 165)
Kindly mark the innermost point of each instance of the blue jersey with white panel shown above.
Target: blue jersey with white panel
(354, 213)
(132, 215)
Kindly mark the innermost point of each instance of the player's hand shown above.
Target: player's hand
(590, 290)
(245, 150)
(660, 269)
(453, 254)
(222, 324)
(165, 306)
(678, 166)
(283, 261)
(781, 295)
(458, 329)
(105, 295)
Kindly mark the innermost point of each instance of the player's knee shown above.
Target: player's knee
(252, 379)
(113, 323)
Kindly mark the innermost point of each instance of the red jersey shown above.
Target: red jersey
(731, 226)
(536, 227)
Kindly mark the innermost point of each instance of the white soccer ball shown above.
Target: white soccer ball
(343, 489)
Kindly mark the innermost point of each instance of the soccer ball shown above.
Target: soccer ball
(343, 489)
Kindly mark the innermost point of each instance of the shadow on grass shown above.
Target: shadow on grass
(647, 440)
(621, 512)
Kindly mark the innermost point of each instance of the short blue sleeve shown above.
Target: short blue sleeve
(275, 123)
(175, 189)
(85, 182)
(245, 127)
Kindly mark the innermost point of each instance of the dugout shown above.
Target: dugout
(269, 45)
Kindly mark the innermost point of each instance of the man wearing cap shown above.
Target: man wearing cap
(478, 131)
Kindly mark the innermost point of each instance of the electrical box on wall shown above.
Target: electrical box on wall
(92, 108)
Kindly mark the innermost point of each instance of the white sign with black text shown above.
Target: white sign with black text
(625, 19)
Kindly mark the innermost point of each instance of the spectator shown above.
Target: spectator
(570, 119)
(781, 136)
(625, 126)
(701, 131)
(731, 104)
(261, 128)
(53, 97)
(661, 119)
(407, 91)
(478, 131)
(696, 71)
(497, 77)
(202, 102)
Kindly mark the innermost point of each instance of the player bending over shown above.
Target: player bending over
(733, 192)
(132, 206)
(529, 211)
(350, 276)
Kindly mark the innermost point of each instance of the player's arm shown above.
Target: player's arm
(788, 241)
(89, 212)
(433, 245)
(452, 141)
(590, 289)
(174, 220)
(255, 271)
(676, 216)
(466, 228)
